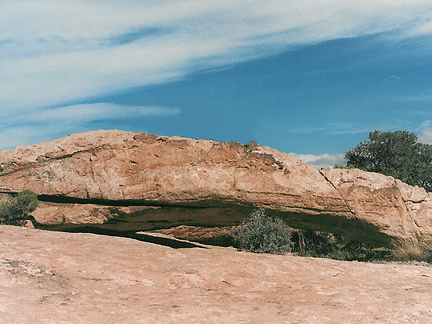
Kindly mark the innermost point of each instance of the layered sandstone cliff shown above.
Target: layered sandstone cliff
(126, 181)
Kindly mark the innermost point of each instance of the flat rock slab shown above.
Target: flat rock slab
(53, 277)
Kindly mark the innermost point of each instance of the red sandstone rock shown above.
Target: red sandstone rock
(177, 181)
(55, 214)
(391, 205)
(114, 165)
(52, 277)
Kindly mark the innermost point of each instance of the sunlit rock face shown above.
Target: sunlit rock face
(127, 181)
(53, 277)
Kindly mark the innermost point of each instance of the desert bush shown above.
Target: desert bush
(334, 246)
(312, 243)
(260, 233)
(413, 249)
(15, 211)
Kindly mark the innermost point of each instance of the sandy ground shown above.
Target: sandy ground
(50, 277)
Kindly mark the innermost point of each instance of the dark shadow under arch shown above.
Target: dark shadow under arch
(165, 241)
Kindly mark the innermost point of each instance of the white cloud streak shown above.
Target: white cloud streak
(40, 125)
(333, 129)
(425, 132)
(416, 98)
(76, 114)
(55, 52)
(87, 112)
(323, 160)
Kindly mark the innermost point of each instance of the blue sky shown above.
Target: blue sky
(306, 77)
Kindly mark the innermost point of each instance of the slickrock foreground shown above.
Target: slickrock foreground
(54, 277)
(126, 181)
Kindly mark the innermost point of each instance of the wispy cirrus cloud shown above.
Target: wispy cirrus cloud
(333, 129)
(322, 160)
(76, 114)
(416, 98)
(425, 132)
(59, 51)
(40, 125)
(350, 128)
(55, 53)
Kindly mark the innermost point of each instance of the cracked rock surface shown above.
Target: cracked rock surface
(129, 182)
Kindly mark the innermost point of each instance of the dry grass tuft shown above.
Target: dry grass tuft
(413, 249)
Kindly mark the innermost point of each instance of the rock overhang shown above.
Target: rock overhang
(89, 175)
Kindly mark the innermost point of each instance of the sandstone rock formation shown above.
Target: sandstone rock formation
(383, 201)
(127, 181)
(52, 277)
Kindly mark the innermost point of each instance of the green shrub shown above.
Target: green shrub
(15, 211)
(262, 234)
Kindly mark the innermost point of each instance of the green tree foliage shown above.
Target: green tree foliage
(261, 234)
(16, 210)
(397, 154)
